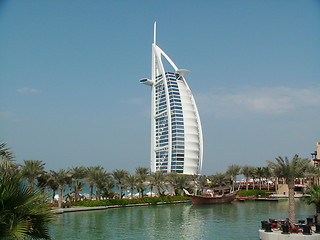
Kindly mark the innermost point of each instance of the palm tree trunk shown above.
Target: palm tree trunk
(60, 196)
(98, 193)
(260, 183)
(181, 192)
(292, 214)
(91, 191)
(120, 191)
(159, 191)
(173, 190)
(31, 184)
(76, 191)
(53, 194)
(247, 184)
(233, 182)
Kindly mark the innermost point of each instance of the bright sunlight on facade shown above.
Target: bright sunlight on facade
(176, 134)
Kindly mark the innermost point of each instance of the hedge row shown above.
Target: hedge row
(108, 202)
(254, 192)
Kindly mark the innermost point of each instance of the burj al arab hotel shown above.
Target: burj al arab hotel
(176, 134)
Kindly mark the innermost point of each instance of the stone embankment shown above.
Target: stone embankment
(79, 209)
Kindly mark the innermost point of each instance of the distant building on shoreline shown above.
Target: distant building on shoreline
(176, 133)
(316, 156)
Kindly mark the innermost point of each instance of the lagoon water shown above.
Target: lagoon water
(235, 221)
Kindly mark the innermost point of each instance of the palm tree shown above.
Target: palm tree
(131, 181)
(142, 171)
(313, 197)
(9, 168)
(23, 211)
(31, 170)
(171, 180)
(142, 174)
(89, 178)
(203, 182)
(52, 185)
(313, 174)
(178, 182)
(5, 152)
(119, 175)
(246, 172)
(107, 189)
(289, 170)
(99, 178)
(151, 183)
(43, 181)
(220, 180)
(194, 183)
(77, 174)
(259, 174)
(182, 181)
(234, 171)
(157, 179)
(267, 175)
(61, 177)
(253, 175)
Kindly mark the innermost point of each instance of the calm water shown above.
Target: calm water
(235, 221)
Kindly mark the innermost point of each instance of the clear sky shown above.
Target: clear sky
(70, 70)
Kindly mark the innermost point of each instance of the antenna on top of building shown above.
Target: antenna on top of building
(155, 33)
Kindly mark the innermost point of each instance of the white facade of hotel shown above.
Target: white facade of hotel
(176, 134)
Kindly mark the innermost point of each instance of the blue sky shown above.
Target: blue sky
(70, 70)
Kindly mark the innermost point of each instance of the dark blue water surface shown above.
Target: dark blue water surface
(235, 221)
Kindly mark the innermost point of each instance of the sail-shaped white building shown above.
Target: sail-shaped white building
(176, 133)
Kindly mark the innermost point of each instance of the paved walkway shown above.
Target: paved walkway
(277, 235)
(79, 209)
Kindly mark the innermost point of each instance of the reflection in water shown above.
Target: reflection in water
(237, 220)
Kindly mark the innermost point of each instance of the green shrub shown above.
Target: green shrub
(254, 192)
(150, 200)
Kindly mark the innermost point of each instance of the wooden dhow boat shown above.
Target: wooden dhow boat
(211, 198)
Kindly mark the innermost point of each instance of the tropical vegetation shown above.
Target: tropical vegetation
(24, 214)
(234, 171)
(289, 170)
(147, 200)
(312, 197)
(254, 193)
(69, 183)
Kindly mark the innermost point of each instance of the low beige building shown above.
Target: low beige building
(283, 189)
